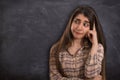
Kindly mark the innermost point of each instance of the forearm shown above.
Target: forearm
(94, 49)
(94, 61)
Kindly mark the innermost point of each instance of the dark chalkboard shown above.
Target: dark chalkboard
(28, 28)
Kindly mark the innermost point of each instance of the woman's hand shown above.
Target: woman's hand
(92, 35)
(99, 77)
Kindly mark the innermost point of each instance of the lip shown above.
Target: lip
(78, 33)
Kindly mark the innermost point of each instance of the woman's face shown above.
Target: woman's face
(80, 26)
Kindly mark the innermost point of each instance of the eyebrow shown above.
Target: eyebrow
(77, 19)
(80, 20)
(87, 21)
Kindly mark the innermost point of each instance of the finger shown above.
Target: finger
(98, 77)
(90, 33)
(90, 37)
(94, 28)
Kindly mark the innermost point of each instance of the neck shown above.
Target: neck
(77, 43)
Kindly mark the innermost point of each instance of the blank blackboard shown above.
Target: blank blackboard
(28, 28)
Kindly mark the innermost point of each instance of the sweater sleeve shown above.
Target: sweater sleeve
(54, 72)
(94, 63)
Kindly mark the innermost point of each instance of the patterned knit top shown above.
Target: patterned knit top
(80, 66)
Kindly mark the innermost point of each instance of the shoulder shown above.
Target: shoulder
(53, 47)
(100, 47)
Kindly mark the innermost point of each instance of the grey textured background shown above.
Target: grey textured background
(28, 28)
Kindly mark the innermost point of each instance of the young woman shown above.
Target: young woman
(79, 53)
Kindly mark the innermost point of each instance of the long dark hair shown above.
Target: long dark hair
(66, 39)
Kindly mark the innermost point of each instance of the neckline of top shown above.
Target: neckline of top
(75, 52)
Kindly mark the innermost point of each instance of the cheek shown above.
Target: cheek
(72, 29)
(86, 29)
(73, 26)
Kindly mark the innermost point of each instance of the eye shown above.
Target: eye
(86, 24)
(76, 21)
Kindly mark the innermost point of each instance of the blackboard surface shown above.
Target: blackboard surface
(28, 28)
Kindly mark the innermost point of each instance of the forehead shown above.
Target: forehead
(81, 17)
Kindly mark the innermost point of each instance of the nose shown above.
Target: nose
(80, 27)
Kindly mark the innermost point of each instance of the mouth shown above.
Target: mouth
(79, 33)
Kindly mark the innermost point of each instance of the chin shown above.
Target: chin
(78, 37)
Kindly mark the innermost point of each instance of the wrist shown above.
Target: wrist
(94, 49)
(95, 45)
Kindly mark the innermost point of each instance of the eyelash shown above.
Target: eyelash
(84, 24)
(76, 21)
